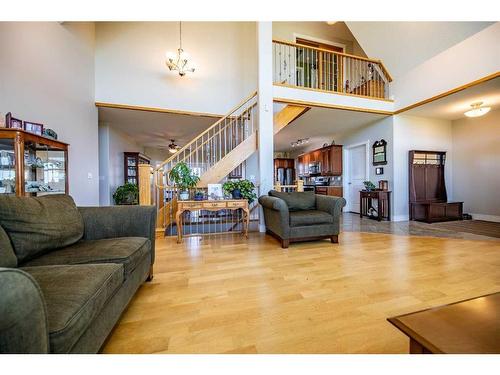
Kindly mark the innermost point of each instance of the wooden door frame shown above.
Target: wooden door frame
(347, 172)
(319, 40)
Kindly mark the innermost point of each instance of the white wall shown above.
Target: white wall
(418, 133)
(338, 33)
(47, 76)
(476, 164)
(380, 129)
(112, 144)
(130, 64)
(469, 60)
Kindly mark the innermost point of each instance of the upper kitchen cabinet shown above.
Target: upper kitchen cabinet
(335, 160)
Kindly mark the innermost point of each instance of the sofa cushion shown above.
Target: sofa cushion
(7, 256)
(128, 251)
(309, 217)
(36, 225)
(74, 296)
(296, 201)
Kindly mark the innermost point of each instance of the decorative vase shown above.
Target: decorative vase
(184, 195)
(236, 194)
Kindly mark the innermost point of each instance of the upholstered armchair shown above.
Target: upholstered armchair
(301, 216)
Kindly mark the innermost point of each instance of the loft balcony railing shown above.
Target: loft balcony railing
(295, 65)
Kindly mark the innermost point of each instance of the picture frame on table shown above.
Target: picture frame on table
(215, 191)
(13, 123)
(33, 127)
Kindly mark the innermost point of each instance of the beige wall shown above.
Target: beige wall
(338, 33)
(476, 164)
(130, 64)
(47, 76)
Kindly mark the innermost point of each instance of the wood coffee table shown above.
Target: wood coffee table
(469, 326)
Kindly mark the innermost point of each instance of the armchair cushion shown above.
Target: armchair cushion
(296, 201)
(74, 296)
(309, 217)
(36, 225)
(129, 251)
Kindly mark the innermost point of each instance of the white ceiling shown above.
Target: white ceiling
(155, 129)
(320, 123)
(452, 107)
(404, 45)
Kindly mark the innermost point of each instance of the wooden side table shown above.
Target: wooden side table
(211, 205)
(383, 198)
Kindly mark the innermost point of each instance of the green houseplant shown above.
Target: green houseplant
(240, 189)
(369, 186)
(126, 194)
(184, 179)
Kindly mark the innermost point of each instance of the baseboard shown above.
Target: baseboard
(400, 218)
(494, 218)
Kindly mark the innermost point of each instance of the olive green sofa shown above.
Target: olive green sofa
(68, 273)
(301, 216)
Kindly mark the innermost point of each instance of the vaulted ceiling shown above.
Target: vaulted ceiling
(404, 45)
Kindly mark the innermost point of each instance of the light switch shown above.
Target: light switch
(89, 176)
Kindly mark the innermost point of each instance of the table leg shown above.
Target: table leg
(178, 220)
(247, 221)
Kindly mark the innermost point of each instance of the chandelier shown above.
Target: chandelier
(179, 61)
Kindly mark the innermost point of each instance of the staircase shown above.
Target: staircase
(213, 155)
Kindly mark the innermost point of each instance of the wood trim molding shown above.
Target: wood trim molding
(449, 92)
(155, 109)
(331, 92)
(332, 106)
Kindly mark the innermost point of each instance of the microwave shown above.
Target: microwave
(314, 168)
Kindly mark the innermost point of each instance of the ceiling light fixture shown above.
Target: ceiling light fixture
(299, 142)
(179, 61)
(172, 147)
(477, 110)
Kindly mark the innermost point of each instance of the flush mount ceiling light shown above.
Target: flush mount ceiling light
(477, 110)
(299, 142)
(179, 61)
(172, 147)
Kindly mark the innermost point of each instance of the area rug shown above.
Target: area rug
(479, 227)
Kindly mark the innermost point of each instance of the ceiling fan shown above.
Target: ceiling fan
(172, 147)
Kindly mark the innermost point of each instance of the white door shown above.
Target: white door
(356, 175)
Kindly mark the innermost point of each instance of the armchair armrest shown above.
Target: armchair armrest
(119, 221)
(276, 215)
(330, 204)
(23, 319)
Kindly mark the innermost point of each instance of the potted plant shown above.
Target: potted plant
(126, 194)
(240, 189)
(184, 179)
(369, 186)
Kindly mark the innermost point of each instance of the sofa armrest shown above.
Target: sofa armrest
(330, 204)
(276, 215)
(23, 318)
(120, 221)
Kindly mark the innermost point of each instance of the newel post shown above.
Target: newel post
(145, 185)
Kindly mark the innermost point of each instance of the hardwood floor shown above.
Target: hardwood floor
(224, 294)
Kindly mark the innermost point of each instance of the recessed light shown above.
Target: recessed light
(477, 110)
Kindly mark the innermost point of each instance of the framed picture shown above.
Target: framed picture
(379, 170)
(13, 123)
(380, 152)
(215, 191)
(33, 127)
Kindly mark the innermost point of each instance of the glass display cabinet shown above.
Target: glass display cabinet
(31, 165)
(131, 166)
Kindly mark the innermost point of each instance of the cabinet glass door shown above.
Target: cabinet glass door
(44, 170)
(7, 167)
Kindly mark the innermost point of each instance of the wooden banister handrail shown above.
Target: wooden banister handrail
(228, 115)
(375, 61)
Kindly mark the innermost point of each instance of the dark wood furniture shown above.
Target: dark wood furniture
(131, 161)
(383, 209)
(469, 326)
(427, 188)
(335, 191)
(32, 165)
(330, 158)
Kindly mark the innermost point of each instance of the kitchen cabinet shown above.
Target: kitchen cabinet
(326, 167)
(335, 160)
(335, 191)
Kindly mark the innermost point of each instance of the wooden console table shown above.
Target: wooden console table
(211, 205)
(470, 326)
(383, 197)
